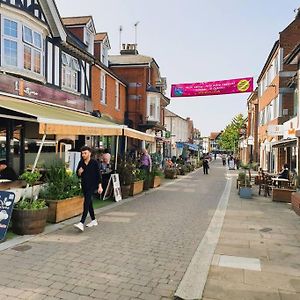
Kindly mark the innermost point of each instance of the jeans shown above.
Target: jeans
(87, 206)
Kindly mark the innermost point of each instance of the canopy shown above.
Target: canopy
(135, 134)
(58, 120)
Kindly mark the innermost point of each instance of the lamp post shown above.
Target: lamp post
(250, 141)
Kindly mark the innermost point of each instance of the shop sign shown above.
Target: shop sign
(6, 207)
(167, 134)
(275, 130)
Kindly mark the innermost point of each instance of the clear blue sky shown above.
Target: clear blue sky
(195, 41)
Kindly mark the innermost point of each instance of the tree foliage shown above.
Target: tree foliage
(229, 138)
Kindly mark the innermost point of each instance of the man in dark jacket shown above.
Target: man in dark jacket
(88, 170)
(7, 172)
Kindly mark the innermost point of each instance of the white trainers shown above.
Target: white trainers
(92, 223)
(79, 226)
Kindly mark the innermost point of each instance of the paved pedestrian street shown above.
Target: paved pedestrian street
(140, 250)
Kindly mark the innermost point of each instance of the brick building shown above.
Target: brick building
(276, 101)
(146, 98)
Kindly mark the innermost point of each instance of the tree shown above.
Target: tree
(229, 139)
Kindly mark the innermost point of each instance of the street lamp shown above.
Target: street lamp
(251, 143)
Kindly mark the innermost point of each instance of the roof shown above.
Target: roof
(72, 21)
(214, 135)
(291, 56)
(128, 59)
(169, 113)
(275, 47)
(99, 37)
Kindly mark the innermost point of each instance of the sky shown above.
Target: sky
(195, 41)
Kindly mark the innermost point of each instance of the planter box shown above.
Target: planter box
(155, 182)
(125, 189)
(245, 192)
(136, 187)
(296, 203)
(282, 195)
(60, 210)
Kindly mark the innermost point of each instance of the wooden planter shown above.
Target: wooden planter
(125, 189)
(296, 203)
(60, 210)
(136, 187)
(155, 182)
(282, 195)
(25, 221)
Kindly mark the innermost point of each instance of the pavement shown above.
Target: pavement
(145, 248)
(258, 253)
(140, 250)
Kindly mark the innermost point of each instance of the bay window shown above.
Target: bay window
(70, 69)
(153, 107)
(22, 46)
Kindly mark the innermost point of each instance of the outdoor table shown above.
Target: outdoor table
(280, 180)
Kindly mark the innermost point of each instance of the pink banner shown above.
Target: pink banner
(231, 86)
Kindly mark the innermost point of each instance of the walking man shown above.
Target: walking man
(205, 166)
(88, 170)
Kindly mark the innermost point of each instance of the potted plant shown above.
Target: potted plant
(62, 194)
(125, 171)
(245, 189)
(170, 172)
(155, 176)
(30, 213)
(137, 185)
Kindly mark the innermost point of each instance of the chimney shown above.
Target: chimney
(129, 49)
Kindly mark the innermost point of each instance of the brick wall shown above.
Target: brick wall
(109, 108)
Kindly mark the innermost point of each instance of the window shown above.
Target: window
(103, 90)
(117, 96)
(70, 69)
(22, 47)
(153, 108)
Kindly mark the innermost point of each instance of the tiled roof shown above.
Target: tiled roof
(128, 59)
(70, 21)
(214, 135)
(99, 37)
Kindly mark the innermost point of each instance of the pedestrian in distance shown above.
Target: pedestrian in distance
(89, 172)
(205, 166)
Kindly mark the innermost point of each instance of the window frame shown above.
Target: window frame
(117, 96)
(23, 44)
(70, 70)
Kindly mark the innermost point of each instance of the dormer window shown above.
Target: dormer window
(70, 69)
(89, 37)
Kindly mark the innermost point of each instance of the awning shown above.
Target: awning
(190, 146)
(285, 143)
(135, 134)
(57, 120)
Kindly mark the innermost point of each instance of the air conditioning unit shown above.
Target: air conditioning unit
(285, 112)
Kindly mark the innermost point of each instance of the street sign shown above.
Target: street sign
(6, 206)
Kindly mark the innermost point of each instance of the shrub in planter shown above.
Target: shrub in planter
(62, 194)
(155, 176)
(29, 214)
(170, 173)
(125, 171)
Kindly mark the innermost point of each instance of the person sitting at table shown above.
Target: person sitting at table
(285, 172)
(7, 172)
